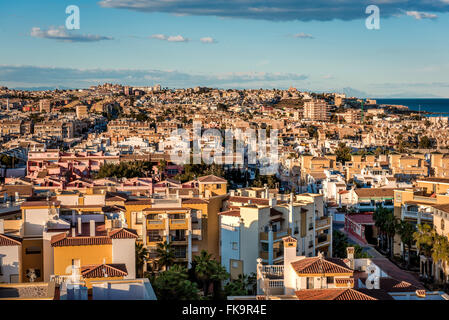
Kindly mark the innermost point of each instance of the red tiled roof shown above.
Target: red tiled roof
(123, 233)
(232, 213)
(332, 294)
(194, 201)
(7, 241)
(211, 179)
(247, 199)
(289, 239)
(317, 265)
(101, 270)
(361, 218)
(62, 240)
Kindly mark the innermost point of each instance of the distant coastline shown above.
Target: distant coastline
(436, 106)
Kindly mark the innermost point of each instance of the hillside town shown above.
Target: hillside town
(94, 205)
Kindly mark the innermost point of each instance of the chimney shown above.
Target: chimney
(2, 226)
(267, 192)
(232, 193)
(272, 202)
(73, 218)
(79, 225)
(92, 228)
(350, 255)
(73, 233)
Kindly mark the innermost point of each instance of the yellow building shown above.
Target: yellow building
(439, 163)
(94, 254)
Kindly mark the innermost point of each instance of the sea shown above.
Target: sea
(438, 106)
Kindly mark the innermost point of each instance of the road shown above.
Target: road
(368, 248)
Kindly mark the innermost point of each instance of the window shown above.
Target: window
(139, 216)
(235, 246)
(330, 280)
(442, 225)
(310, 284)
(154, 235)
(33, 250)
(218, 186)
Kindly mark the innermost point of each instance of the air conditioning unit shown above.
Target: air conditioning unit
(160, 216)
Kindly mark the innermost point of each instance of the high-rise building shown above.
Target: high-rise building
(44, 105)
(316, 110)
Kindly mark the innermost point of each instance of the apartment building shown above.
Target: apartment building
(439, 164)
(44, 106)
(409, 166)
(416, 205)
(316, 110)
(55, 129)
(252, 228)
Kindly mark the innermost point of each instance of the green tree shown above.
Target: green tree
(440, 253)
(209, 271)
(343, 153)
(141, 257)
(244, 285)
(425, 142)
(405, 230)
(424, 238)
(166, 255)
(173, 284)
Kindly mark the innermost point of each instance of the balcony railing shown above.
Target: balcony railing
(156, 224)
(323, 240)
(276, 235)
(178, 224)
(323, 222)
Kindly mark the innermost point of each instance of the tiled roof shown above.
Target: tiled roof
(232, 213)
(361, 218)
(375, 192)
(247, 199)
(194, 201)
(289, 239)
(62, 240)
(211, 179)
(332, 294)
(123, 233)
(101, 270)
(317, 265)
(9, 241)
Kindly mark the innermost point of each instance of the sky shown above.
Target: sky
(309, 44)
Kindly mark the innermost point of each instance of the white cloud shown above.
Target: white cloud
(303, 35)
(207, 40)
(421, 15)
(61, 33)
(164, 37)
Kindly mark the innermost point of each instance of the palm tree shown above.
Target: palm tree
(406, 230)
(379, 217)
(440, 253)
(166, 255)
(141, 257)
(391, 223)
(424, 238)
(207, 271)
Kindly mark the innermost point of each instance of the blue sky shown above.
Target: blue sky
(246, 44)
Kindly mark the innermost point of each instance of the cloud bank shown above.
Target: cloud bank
(279, 10)
(60, 33)
(31, 76)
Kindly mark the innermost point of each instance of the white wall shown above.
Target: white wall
(10, 262)
(123, 251)
(35, 220)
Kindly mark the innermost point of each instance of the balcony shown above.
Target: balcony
(276, 235)
(414, 215)
(156, 224)
(322, 239)
(323, 222)
(177, 224)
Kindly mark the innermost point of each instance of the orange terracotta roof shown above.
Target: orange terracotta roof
(317, 265)
(123, 233)
(211, 179)
(332, 294)
(103, 270)
(7, 241)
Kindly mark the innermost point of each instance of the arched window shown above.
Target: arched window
(442, 224)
